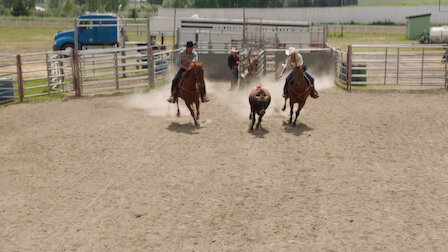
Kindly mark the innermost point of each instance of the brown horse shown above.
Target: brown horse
(298, 92)
(250, 75)
(190, 89)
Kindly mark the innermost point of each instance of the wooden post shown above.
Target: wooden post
(76, 61)
(174, 29)
(61, 69)
(385, 68)
(398, 63)
(446, 74)
(423, 62)
(349, 68)
(244, 29)
(117, 83)
(48, 72)
(75, 73)
(20, 77)
(149, 58)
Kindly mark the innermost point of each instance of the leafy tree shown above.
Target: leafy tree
(53, 4)
(30, 4)
(112, 5)
(69, 7)
(159, 2)
(4, 11)
(7, 3)
(19, 8)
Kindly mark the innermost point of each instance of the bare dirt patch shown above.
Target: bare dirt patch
(360, 171)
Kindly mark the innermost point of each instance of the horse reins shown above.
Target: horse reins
(304, 91)
(196, 85)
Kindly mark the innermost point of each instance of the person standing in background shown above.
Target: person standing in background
(232, 62)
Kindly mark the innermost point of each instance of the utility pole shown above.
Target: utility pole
(244, 29)
(174, 29)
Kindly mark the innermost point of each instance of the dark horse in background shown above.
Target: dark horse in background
(298, 92)
(250, 74)
(191, 88)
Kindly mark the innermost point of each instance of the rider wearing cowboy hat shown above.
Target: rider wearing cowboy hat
(295, 59)
(186, 57)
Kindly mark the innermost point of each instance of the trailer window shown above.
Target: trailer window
(86, 25)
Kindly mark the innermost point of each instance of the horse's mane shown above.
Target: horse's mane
(190, 69)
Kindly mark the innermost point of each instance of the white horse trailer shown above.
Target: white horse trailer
(214, 34)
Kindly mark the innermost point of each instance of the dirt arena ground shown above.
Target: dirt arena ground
(361, 172)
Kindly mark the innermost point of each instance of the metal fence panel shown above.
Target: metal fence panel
(405, 65)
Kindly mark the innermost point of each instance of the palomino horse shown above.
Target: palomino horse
(298, 92)
(190, 89)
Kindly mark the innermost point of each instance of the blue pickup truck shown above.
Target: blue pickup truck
(94, 35)
(97, 29)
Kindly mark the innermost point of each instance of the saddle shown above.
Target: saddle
(313, 92)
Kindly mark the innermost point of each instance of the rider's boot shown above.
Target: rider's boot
(204, 97)
(285, 93)
(173, 96)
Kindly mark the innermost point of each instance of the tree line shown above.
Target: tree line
(145, 8)
(253, 3)
(67, 8)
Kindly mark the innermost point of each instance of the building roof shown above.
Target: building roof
(98, 15)
(421, 15)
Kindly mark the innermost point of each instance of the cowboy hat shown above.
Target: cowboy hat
(189, 44)
(234, 50)
(291, 50)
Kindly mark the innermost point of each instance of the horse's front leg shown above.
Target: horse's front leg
(284, 106)
(197, 110)
(298, 112)
(190, 107)
(178, 111)
(291, 104)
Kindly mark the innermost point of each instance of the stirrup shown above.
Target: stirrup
(314, 94)
(205, 99)
(171, 100)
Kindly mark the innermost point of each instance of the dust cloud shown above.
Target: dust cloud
(237, 100)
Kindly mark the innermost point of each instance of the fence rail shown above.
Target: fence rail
(406, 65)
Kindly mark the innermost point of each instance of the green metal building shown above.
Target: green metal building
(418, 25)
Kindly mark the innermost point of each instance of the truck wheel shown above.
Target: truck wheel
(67, 47)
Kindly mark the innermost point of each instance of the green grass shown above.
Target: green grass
(15, 40)
(359, 38)
(37, 19)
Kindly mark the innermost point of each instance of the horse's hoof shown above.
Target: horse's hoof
(284, 108)
(196, 124)
(294, 124)
(178, 115)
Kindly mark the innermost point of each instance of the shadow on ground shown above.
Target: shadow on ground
(298, 130)
(187, 128)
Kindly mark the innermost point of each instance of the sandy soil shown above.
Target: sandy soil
(361, 172)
